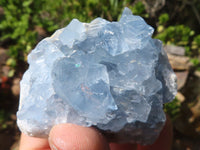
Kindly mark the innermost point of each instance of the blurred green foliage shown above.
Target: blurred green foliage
(21, 17)
(180, 35)
(139, 9)
(177, 34)
(196, 43)
(3, 118)
(173, 108)
(163, 18)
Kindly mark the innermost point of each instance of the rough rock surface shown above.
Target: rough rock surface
(179, 63)
(109, 75)
(175, 50)
(181, 78)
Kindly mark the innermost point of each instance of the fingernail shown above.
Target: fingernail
(52, 146)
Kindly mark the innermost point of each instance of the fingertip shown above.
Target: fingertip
(33, 143)
(70, 136)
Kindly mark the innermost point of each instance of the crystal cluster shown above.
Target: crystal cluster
(109, 75)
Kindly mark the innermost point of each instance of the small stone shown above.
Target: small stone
(13, 116)
(5, 70)
(195, 109)
(180, 97)
(179, 62)
(175, 50)
(16, 81)
(197, 73)
(181, 78)
(109, 75)
(15, 87)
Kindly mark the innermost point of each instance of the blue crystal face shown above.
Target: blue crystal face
(85, 87)
(110, 75)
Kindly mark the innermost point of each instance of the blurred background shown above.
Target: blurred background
(23, 23)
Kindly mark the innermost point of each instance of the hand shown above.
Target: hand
(74, 137)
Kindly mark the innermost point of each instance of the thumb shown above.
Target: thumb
(70, 136)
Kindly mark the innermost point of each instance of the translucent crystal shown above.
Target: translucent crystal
(109, 75)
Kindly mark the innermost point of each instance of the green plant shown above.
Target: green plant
(163, 18)
(196, 63)
(173, 109)
(16, 28)
(196, 44)
(20, 19)
(177, 34)
(3, 119)
(139, 9)
(180, 35)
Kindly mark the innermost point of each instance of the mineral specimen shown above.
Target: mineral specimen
(109, 75)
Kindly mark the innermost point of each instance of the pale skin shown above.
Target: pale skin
(74, 137)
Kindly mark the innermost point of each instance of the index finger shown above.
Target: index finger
(32, 143)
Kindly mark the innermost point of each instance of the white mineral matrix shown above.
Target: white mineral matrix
(109, 75)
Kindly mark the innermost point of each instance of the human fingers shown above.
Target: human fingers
(32, 143)
(68, 136)
(74, 137)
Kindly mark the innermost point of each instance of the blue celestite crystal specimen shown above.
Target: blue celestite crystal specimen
(109, 75)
